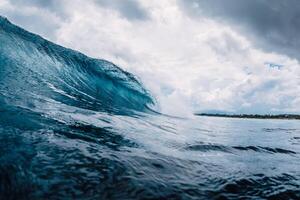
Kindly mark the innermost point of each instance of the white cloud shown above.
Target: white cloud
(189, 64)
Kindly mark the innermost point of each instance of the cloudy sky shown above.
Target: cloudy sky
(193, 55)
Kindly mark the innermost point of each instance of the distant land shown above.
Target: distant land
(251, 116)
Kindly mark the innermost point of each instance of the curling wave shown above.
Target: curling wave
(35, 70)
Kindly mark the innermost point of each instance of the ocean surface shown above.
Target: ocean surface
(73, 127)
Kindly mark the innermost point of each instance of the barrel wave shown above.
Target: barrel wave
(73, 127)
(34, 70)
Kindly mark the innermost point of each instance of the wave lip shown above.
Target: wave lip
(34, 70)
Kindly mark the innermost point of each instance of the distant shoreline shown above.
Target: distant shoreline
(252, 116)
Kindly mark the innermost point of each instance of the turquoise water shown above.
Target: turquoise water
(72, 127)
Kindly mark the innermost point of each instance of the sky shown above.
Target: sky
(192, 55)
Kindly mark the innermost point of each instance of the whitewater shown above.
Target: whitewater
(74, 127)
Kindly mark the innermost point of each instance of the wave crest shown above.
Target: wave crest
(35, 70)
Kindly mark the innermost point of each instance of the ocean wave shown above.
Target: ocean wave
(34, 70)
(232, 149)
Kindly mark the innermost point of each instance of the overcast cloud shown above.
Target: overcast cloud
(271, 24)
(130, 9)
(192, 55)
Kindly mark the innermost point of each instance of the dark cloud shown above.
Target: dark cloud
(130, 9)
(54, 6)
(273, 25)
(39, 3)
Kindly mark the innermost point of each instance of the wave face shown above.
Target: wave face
(72, 127)
(35, 70)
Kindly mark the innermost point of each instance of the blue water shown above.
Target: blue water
(72, 127)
